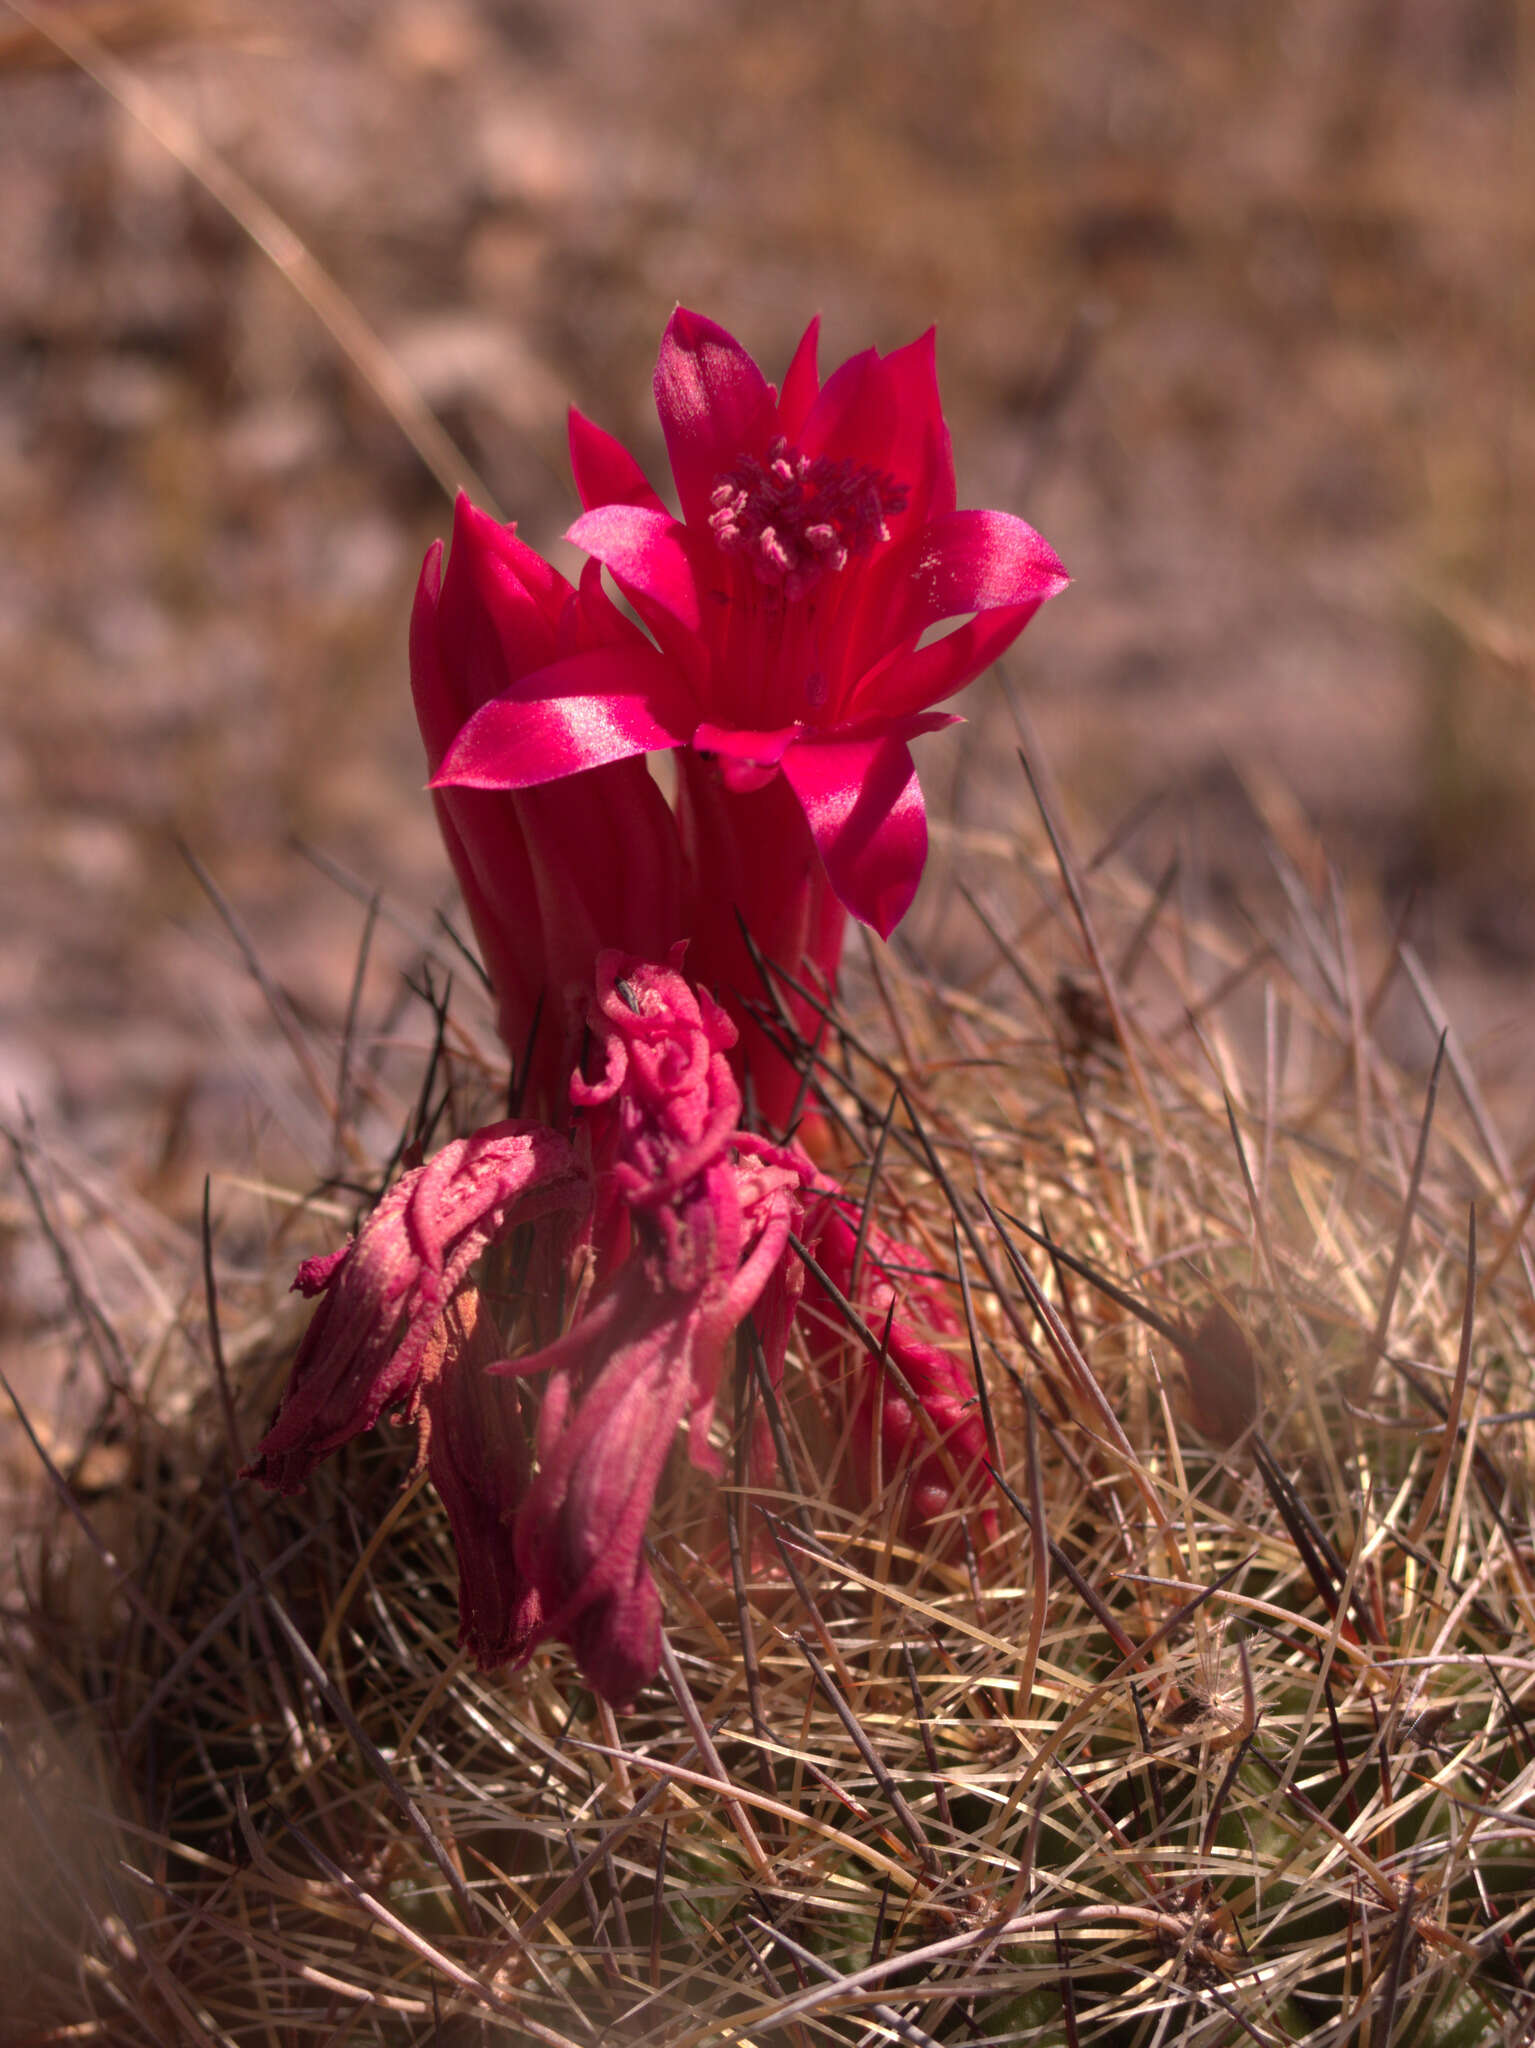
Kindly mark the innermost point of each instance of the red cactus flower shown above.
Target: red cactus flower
(819, 543)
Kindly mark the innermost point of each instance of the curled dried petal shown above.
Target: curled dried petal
(382, 1295)
(937, 1448)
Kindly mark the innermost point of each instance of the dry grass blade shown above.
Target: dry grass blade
(1080, 1372)
(1404, 1229)
(98, 1328)
(277, 1002)
(1101, 968)
(374, 1757)
(380, 371)
(911, 1827)
(1432, 1502)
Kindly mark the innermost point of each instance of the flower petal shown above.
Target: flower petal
(477, 1456)
(605, 867)
(765, 878)
(979, 561)
(605, 472)
(490, 617)
(801, 383)
(501, 563)
(910, 678)
(369, 1340)
(647, 553)
(484, 836)
(715, 407)
(864, 806)
(617, 1639)
(883, 412)
(440, 710)
(984, 562)
(581, 1530)
(577, 713)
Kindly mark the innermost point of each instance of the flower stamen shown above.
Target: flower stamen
(797, 517)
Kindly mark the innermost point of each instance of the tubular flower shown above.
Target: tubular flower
(819, 543)
(550, 876)
(706, 1210)
(939, 1455)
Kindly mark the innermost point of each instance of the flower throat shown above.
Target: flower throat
(797, 517)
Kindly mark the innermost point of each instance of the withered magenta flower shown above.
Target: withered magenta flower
(707, 1209)
(370, 1343)
(476, 1450)
(689, 1221)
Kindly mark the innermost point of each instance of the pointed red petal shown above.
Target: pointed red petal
(978, 561)
(440, 711)
(906, 681)
(864, 806)
(715, 407)
(801, 383)
(884, 413)
(605, 472)
(491, 615)
(988, 563)
(647, 553)
(577, 713)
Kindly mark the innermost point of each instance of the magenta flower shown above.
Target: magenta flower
(938, 1457)
(707, 1210)
(819, 543)
(549, 876)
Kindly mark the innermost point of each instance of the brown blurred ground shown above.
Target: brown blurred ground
(1234, 303)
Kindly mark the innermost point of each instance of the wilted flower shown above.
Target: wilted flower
(477, 1457)
(818, 545)
(550, 876)
(938, 1455)
(371, 1343)
(706, 1210)
(688, 1227)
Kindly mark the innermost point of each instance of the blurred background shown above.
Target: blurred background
(1234, 301)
